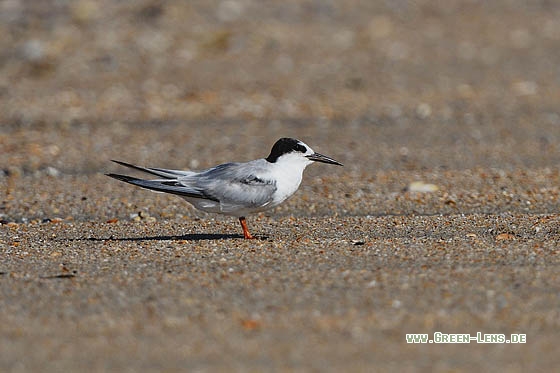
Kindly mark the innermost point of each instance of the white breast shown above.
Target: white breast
(288, 172)
(287, 184)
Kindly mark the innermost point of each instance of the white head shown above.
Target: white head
(295, 152)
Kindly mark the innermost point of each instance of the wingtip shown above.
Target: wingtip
(120, 177)
(121, 163)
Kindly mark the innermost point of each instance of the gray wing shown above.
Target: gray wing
(235, 184)
(165, 186)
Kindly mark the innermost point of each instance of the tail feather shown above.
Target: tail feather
(162, 172)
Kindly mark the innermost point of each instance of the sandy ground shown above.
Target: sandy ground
(459, 99)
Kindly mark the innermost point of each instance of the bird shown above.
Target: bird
(236, 188)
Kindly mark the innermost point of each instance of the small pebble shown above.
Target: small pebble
(422, 187)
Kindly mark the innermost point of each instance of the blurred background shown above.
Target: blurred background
(132, 61)
(379, 85)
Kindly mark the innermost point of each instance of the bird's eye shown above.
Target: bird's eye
(300, 148)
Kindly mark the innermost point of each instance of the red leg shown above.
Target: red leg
(246, 233)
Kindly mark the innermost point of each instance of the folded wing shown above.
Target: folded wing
(235, 185)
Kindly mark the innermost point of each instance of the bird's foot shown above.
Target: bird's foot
(249, 236)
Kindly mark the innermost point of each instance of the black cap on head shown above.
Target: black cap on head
(283, 146)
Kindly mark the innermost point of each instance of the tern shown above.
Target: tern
(236, 189)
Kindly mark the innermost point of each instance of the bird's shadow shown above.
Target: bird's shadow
(184, 237)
